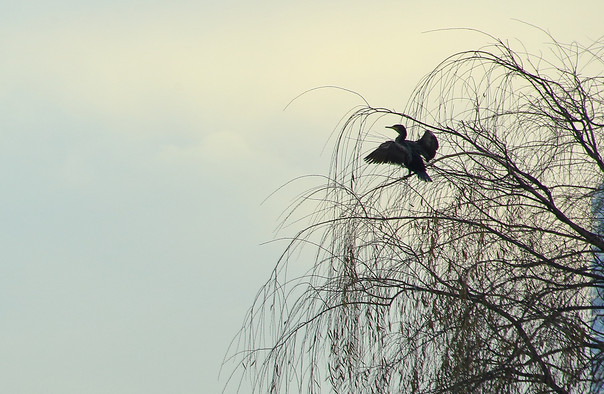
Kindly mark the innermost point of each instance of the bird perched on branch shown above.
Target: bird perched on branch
(406, 153)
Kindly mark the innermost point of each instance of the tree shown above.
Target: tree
(482, 281)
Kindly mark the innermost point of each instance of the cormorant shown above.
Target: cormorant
(406, 153)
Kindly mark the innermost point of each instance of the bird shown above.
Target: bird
(406, 153)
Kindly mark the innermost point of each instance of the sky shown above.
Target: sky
(139, 142)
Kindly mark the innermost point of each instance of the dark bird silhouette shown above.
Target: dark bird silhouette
(406, 153)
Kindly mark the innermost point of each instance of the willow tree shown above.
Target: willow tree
(481, 281)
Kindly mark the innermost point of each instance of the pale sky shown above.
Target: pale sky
(139, 139)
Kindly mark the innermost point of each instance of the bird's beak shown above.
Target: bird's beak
(389, 127)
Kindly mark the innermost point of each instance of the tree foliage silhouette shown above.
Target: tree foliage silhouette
(482, 281)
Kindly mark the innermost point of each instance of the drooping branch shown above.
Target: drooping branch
(481, 281)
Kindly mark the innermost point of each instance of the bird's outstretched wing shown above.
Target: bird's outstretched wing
(405, 154)
(390, 152)
(428, 145)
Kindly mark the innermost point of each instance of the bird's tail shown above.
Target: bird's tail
(423, 175)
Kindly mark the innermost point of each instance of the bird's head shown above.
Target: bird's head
(399, 128)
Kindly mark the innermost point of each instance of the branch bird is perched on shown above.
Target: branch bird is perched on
(406, 153)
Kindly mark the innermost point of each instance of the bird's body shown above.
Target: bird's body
(406, 153)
